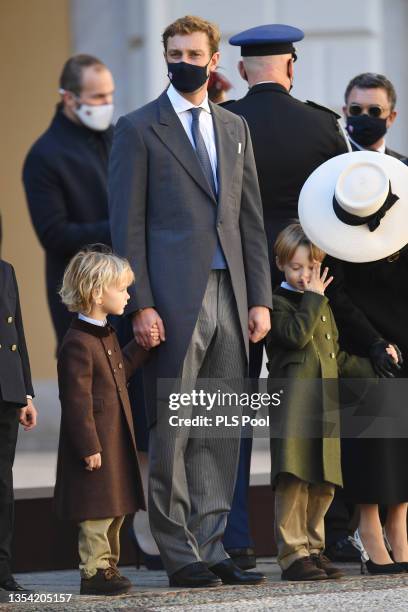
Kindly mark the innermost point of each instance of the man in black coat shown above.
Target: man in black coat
(369, 110)
(16, 406)
(65, 173)
(290, 139)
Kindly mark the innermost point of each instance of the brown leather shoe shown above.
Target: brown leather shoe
(105, 582)
(326, 565)
(303, 569)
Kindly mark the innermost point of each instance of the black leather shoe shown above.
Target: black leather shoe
(375, 569)
(12, 586)
(231, 574)
(244, 558)
(194, 576)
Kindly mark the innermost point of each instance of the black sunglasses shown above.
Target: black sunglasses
(374, 110)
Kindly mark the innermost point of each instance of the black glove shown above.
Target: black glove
(383, 364)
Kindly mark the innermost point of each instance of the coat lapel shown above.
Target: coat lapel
(171, 132)
(227, 150)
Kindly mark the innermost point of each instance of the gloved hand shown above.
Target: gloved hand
(383, 364)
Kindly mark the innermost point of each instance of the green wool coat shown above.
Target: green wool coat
(303, 344)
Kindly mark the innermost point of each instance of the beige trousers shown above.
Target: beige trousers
(300, 508)
(98, 544)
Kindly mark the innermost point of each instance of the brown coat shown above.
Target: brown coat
(96, 417)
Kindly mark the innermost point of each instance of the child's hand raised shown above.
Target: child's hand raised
(317, 283)
(93, 462)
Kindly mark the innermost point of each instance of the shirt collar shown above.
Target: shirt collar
(286, 285)
(180, 104)
(380, 149)
(92, 321)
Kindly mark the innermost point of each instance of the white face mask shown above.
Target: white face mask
(96, 117)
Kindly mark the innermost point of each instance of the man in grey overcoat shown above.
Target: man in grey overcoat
(186, 211)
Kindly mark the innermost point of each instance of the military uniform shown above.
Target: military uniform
(290, 139)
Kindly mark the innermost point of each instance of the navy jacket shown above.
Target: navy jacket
(290, 140)
(65, 178)
(15, 375)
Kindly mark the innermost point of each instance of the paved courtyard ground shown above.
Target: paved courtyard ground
(152, 593)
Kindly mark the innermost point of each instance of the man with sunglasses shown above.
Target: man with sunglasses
(369, 110)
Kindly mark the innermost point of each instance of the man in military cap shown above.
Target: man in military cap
(290, 139)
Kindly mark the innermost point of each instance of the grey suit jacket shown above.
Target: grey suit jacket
(165, 220)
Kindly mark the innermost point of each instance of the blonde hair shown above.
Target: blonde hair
(189, 24)
(290, 239)
(88, 274)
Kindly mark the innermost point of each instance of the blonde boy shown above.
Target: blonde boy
(98, 479)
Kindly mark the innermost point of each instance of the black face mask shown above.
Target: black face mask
(187, 77)
(366, 130)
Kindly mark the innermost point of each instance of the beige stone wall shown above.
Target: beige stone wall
(34, 43)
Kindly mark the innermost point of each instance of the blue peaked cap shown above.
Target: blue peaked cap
(271, 39)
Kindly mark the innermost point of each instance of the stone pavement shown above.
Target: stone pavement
(151, 593)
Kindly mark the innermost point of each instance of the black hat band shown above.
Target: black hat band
(374, 220)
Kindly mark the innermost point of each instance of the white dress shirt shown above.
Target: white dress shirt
(92, 321)
(286, 285)
(182, 108)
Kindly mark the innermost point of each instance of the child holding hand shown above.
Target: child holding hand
(98, 478)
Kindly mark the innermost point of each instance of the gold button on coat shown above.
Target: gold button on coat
(328, 336)
(323, 318)
(13, 347)
(332, 355)
(9, 319)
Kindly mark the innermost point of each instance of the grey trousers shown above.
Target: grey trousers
(192, 480)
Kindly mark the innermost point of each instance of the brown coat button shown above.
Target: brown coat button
(120, 366)
(109, 352)
(13, 347)
(9, 319)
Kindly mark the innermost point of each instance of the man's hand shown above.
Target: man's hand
(144, 322)
(259, 323)
(93, 462)
(28, 416)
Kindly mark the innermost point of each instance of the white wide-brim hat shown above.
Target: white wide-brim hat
(346, 196)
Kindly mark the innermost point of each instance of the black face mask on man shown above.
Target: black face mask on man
(187, 77)
(366, 130)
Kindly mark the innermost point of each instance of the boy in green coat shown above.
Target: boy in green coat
(303, 344)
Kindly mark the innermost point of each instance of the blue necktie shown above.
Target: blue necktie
(219, 262)
(201, 149)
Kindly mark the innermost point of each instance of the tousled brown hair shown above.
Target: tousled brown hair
(189, 24)
(290, 239)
